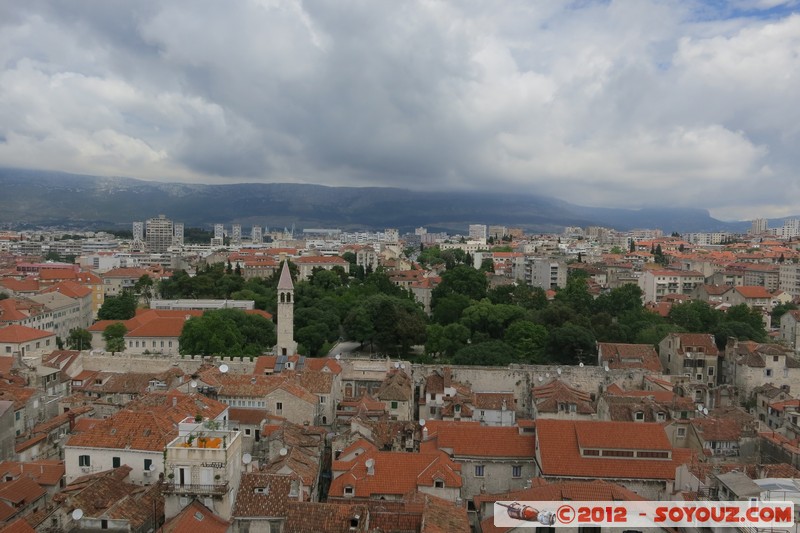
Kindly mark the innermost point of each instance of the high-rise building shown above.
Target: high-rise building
(758, 226)
(477, 232)
(159, 234)
(236, 235)
(138, 232)
(177, 235)
(391, 235)
(255, 235)
(219, 235)
(497, 232)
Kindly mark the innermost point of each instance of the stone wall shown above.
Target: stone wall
(156, 363)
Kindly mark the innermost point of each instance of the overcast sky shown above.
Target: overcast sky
(619, 104)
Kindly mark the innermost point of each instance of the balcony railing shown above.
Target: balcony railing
(171, 487)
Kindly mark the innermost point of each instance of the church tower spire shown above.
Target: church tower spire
(286, 343)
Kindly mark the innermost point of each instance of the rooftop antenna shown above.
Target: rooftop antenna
(223, 368)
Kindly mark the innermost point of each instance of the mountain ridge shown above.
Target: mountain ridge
(48, 198)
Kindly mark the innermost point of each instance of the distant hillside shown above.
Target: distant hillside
(40, 198)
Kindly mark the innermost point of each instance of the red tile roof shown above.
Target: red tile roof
(396, 473)
(195, 518)
(619, 355)
(550, 397)
(17, 334)
(128, 429)
(754, 292)
(467, 440)
(560, 456)
(71, 289)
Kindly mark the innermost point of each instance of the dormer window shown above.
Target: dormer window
(438, 483)
(638, 416)
(348, 490)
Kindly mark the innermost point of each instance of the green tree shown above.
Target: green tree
(576, 293)
(114, 335)
(495, 352)
(122, 307)
(566, 344)
(462, 280)
(695, 316)
(143, 288)
(449, 308)
(484, 317)
(227, 332)
(618, 301)
(779, 310)
(79, 339)
(528, 339)
(358, 325)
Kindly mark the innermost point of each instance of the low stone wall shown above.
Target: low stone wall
(159, 363)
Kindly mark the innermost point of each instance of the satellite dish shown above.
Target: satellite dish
(247, 458)
(152, 468)
(397, 365)
(369, 463)
(705, 410)
(541, 378)
(337, 356)
(402, 365)
(422, 422)
(223, 368)
(547, 375)
(77, 514)
(283, 452)
(193, 384)
(581, 365)
(605, 368)
(559, 371)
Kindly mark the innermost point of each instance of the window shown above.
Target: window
(516, 471)
(17, 415)
(322, 399)
(661, 417)
(439, 484)
(768, 372)
(348, 490)
(278, 408)
(681, 432)
(148, 463)
(617, 453)
(84, 460)
(711, 371)
(591, 453)
(775, 358)
(478, 470)
(115, 462)
(638, 416)
(394, 405)
(8, 349)
(248, 431)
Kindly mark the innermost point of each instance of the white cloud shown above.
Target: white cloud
(621, 103)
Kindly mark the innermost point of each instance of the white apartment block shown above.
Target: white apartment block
(656, 284)
(159, 232)
(477, 232)
(789, 279)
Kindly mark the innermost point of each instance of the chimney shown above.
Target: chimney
(174, 401)
(424, 434)
(446, 376)
(71, 418)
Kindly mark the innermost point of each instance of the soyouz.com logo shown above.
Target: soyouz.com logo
(644, 514)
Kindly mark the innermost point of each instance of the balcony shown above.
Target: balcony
(173, 487)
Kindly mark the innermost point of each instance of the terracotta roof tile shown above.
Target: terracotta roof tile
(303, 517)
(195, 518)
(128, 429)
(551, 397)
(396, 473)
(17, 526)
(442, 516)
(560, 456)
(16, 334)
(21, 491)
(263, 495)
(44, 472)
(619, 355)
(596, 490)
(463, 439)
